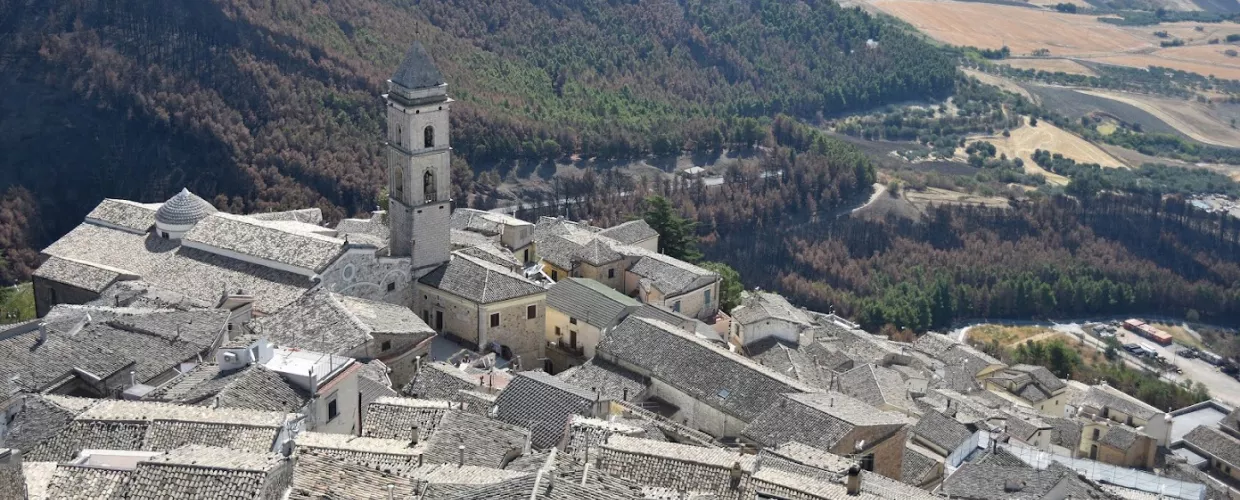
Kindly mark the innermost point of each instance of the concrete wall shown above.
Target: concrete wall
(1053, 406)
(588, 336)
(600, 273)
(777, 328)
(1139, 456)
(693, 304)
(345, 394)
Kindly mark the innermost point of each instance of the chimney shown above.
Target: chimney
(413, 441)
(460, 451)
(626, 393)
(417, 364)
(42, 332)
(853, 481)
(734, 476)
(133, 378)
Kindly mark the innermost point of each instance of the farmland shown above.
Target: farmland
(1049, 65)
(1193, 119)
(1024, 30)
(1024, 140)
(1075, 104)
(931, 195)
(1068, 37)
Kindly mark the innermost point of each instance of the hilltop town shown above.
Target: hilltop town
(433, 352)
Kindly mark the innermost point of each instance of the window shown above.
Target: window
(332, 411)
(531, 312)
(558, 333)
(428, 137)
(555, 275)
(398, 184)
(708, 298)
(1096, 431)
(867, 462)
(391, 286)
(676, 306)
(611, 273)
(572, 321)
(494, 320)
(428, 186)
(399, 139)
(387, 345)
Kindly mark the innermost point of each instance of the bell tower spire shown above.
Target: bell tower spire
(418, 162)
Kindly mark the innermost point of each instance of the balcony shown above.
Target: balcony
(576, 351)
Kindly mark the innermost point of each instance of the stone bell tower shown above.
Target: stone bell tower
(418, 162)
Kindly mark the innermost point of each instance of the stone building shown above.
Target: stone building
(486, 307)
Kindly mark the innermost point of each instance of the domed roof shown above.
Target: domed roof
(182, 209)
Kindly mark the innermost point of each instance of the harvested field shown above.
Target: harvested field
(1178, 61)
(1023, 30)
(1050, 65)
(1026, 139)
(937, 196)
(1074, 105)
(1193, 119)
(998, 81)
(1219, 6)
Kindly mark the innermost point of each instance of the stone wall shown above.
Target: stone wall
(888, 453)
(460, 317)
(526, 337)
(431, 236)
(48, 293)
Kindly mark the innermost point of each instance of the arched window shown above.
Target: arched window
(428, 186)
(428, 137)
(398, 185)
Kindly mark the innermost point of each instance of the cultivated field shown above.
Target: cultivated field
(1074, 104)
(937, 196)
(1200, 59)
(1026, 139)
(1075, 36)
(1193, 119)
(1021, 29)
(1050, 65)
(998, 81)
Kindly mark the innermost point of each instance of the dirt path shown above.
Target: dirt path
(879, 190)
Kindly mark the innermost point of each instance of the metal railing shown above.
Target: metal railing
(1111, 474)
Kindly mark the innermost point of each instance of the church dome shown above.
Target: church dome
(183, 209)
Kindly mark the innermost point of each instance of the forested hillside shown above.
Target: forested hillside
(260, 105)
(1043, 257)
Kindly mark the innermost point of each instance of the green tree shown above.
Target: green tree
(382, 199)
(730, 285)
(677, 236)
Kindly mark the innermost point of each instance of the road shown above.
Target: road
(1222, 387)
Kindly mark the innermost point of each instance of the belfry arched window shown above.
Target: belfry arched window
(428, 137)
(428, 186)
(398, 184)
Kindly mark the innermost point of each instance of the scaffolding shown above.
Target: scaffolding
(1111, 474)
